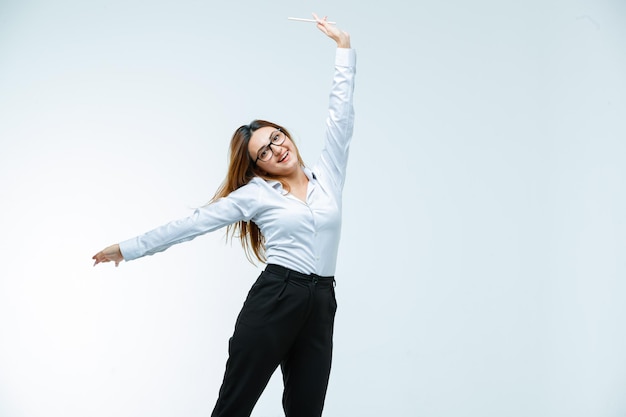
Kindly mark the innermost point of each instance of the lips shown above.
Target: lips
(285, 155)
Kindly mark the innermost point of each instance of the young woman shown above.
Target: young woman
(288, 216)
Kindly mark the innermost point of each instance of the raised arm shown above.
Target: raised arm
(331, 166)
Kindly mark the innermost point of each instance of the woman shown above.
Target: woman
(288, 216)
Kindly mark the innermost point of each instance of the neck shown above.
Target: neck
(297, 178)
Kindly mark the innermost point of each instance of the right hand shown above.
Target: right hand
(109, 254)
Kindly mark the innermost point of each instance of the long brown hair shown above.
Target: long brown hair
(241, 170)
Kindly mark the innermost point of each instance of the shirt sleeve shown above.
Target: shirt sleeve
(340, 121)
(241, 204)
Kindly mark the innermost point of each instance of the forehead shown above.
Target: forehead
(259, 139)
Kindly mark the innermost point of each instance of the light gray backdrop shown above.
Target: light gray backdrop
(481, 270)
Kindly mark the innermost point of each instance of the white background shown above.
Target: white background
(482, 266)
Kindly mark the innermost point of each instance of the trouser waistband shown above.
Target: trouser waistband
(290, 273)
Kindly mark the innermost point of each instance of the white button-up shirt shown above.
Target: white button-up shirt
(298, 235)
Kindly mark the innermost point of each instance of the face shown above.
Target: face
(283, 158)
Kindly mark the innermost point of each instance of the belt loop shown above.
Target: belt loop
(287, 273)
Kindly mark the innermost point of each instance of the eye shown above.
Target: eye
(263, 154)
(277, 137)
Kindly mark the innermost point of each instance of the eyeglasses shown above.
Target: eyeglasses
(265, 153)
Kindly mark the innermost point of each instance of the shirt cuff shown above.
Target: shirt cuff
(129, 249)
(345, 57)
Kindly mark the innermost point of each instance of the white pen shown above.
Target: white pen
(299, 19)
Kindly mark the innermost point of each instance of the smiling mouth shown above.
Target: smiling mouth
(285, 155)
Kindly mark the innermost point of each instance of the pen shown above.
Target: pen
(298, 19)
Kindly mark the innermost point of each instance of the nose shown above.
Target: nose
(277, 151)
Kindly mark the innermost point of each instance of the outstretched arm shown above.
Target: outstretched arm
(241, 204)
(342, 38)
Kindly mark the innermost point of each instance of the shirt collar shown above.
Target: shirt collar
(310, 174)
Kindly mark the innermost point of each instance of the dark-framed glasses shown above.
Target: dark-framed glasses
(265, 153)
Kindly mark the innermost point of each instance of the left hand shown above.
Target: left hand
(332, 31)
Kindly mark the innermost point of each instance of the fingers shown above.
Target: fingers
(99, 257)
(321, 23)
(342, 38)
(107, 255)
(103, 259)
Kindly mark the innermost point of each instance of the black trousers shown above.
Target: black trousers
(287, 320)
